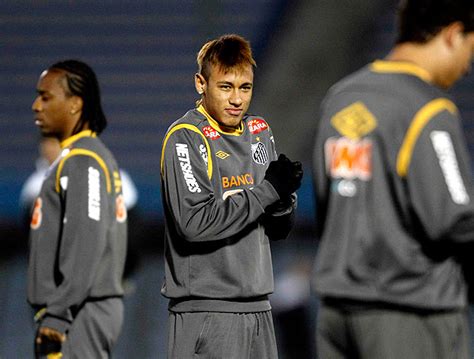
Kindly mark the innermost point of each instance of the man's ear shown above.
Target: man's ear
(453, 34)
(200, 83)
(76, 105)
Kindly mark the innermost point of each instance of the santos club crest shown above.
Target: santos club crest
(259, 153)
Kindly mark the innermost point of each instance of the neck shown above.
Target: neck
(420, 55)
(72, 132)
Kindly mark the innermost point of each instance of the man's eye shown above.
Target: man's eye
(225, 87)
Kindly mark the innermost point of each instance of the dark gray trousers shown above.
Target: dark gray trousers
(216, 335)
(95, 330)
(391, 334)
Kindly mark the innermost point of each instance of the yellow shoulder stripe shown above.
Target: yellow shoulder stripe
(401, 67)
(83, 152)
(194, 129)
(421, 119)
(69, 141)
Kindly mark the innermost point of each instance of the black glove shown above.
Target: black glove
(48, 341)
(285, 176)
(47, 346)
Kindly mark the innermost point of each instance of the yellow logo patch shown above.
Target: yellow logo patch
(222, 155)
(354, 121)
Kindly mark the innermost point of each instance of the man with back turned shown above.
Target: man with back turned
(395, 201)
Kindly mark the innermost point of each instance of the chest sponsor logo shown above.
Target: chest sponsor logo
(444, 149)
(94, 194)
(259, 153)
(185, 164)
(237, 181)
(210, 133)
(354, 121)
(257, 125)
(348, 159)
(37, 216)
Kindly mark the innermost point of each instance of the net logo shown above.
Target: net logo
(185, 164)
(348, 159)
(210, 133)
(257, 125)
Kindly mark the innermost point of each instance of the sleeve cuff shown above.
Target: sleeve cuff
(56, 323)
(282, 208)
(265, 193)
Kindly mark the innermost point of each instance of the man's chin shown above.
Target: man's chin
(232, 122)
(47, 134)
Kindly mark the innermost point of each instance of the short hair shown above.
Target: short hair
(421, 20)
(226, 52)
(81, 81)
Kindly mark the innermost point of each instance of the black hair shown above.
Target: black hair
(82, 81)
(421, 20)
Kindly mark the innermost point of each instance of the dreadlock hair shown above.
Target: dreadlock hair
(226, 52)
(82, 81)
(421, 20)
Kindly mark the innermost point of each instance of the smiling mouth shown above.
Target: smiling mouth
(234, 111)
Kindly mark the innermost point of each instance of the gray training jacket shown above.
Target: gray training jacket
(394, 191)
(218, 214)
(78, 232)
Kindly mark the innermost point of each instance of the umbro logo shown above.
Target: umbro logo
(222, 155)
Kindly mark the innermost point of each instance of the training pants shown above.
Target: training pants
(216, 335)
(391, 334)
(94, 330)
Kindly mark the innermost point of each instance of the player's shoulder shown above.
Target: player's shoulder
(86, 157)
(192, 125)
(92, 147)
(192, 118)
(85, 152)
(256, 124)
(356, 79)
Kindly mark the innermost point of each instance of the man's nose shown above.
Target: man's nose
(236, 98)
(36, 107)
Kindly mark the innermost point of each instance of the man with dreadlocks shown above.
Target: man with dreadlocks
(78, 225)
(225, 195)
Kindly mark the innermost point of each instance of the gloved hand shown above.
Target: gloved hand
(285, 176)
(48, 343)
